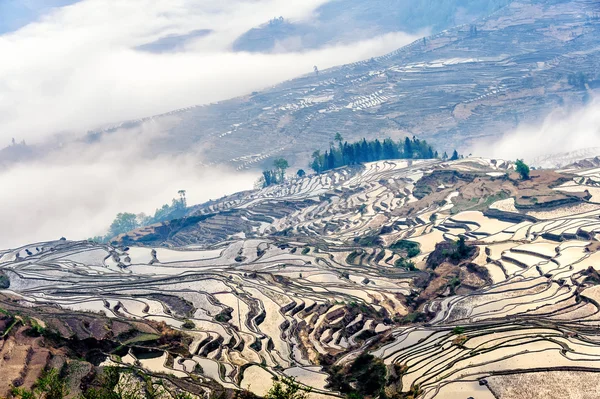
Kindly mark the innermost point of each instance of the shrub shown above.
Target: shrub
(522, 169)
(411, 248)
(369, 374)
(369, 241)
(458, 330)
(188, 325)
(415, 317)
(50, 385)
(353, 255)
(4, 281)
(224, 316)
(288, 388)
(405, 264)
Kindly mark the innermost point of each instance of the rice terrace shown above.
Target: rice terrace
(416, 278)
(376, 199)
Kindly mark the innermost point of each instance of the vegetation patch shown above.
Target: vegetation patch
(366, 376)
(405, 264)
(453, 252)
(188, 325)
(224, 316)
(4, 281)
(409, 248)
(368, 151)
(369, 241)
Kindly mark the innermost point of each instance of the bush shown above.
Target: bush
(405, 264)
(369, 374)
(415, 317)
(4, 281)
(188, 325)
(288, 388)
(50, 385)
(369, 241)
(224, 316)
(458, 330)
(522, 169)
(411, 248)
(353, 255)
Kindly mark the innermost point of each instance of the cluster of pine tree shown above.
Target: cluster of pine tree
(368, 151)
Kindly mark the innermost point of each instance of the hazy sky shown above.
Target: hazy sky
(69, 66)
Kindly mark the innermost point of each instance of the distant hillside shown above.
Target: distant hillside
(349, 20)
(453, 88)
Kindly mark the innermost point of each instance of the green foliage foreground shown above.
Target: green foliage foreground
(287, 388)
(53, 384)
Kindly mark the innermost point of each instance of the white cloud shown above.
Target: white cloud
(77, 191)
(77, 68)
(561, 132)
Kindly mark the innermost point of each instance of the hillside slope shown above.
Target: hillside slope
(433, 279)
(456, 87)
(459, 86)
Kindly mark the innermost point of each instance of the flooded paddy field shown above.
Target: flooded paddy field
(411, 262)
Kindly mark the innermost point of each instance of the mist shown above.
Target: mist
(562, 131)
(86, 66)
(77, 191)
(81, 66)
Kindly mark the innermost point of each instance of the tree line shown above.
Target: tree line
(344, 153)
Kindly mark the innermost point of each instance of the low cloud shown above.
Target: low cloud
(85, 65)
(563, 131)
(77, 191)
(99, 62)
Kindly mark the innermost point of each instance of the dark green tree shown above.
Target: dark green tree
(522, 169)
(317, 163)
(408, 151)
(280, 166)
(368, 151)
(338, 137)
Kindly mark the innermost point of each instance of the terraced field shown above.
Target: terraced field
(463, 279)
(452, 88)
